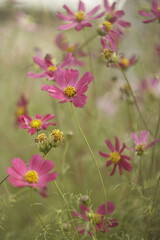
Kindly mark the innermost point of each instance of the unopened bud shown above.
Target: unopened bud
(56, 138)
(85, 200)
(42, 142)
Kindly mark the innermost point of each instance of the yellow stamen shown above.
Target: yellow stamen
(20, 111)
(41, 138)
(107, 54)
(124, 61)
(71, 49)
(140, 149)
(31, 176)
(158, 9)
(80, 16)
(114, 157)
(108, 25)
(95, 218)
(36, 123)
(52, 68)
(57, 135)
(70, 91)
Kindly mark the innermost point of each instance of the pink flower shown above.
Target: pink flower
(36, 174)
(125, 63)
(141, 142)
(153, 14)
(79, 19)
(70, 50)
(114, 16)
(71, 90)
(35, 124)
(96, 219)
(21, 107)
(151, 86)
(48, 67)
(116, 157)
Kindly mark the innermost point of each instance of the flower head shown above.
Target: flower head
(36, 174)
(70, 89)
(153, 14)
(125, 63)
(79, 19)
(141, 142)
(97, 220)
(21, 107)
(116, 157)
(35, 124)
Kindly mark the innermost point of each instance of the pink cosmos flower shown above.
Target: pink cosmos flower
(116, 158)
(153, 14)
(36, 174)
(125, 63)
(48, 67)
(70, 50)
(141, 142)
(79, 19)
(70, 89)
(35, 124)
(21, 107)
(97, 220)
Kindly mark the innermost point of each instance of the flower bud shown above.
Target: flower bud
(42, 143)
(85, 200)
(55, 138)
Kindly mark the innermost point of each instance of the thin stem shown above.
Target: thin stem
(135, 101)
(36, 213)
(155, 194)
(69, 212)
(4, 179)
(90, 150)
(140, 175)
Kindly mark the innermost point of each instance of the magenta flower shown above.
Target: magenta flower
(141, 142)
(36, 174)
(36, 124)
(153, 14)
(21, 107)
(70, 89)
(48, 67)
(70, 50)
(114, 16)
(116, 157)
(79, 19)
(125, 63)
(97, 220)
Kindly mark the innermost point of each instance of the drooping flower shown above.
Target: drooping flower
(36, 174)
(114, 16)
(98, 221)
(70, 89)
(21, 107)
(141, 142)
(109, 49)
(116, 157)
(48, 67)
(79, 19)
(153, 14)
(35, 124)
(71, 50)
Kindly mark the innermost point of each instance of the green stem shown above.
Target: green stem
(135, 101)
(3, 180)
(69, 212)
(155, 194)
(36, 213)
(90, 150)
(141, 176)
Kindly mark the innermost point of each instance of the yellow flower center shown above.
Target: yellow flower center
(115, 157)
(70, 91)
(158, 9)
(20, 111)
(52, 68)
(124, 61)
(36, 123)
(71, 49)
(108, 25)
(80, 16)
(140, 149)
(107, 54)
(31, 176)
(41, 138)
(57, 135)
(95, 218)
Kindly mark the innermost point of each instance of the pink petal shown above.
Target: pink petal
(94, 10)
(106, 208)
(124, 23)
(36, 75)
(40, 62)
(117, 146)
(113, 171)
(150, 20)
(36, 162)
(46, 167)
(155, 4)
(110, 146)
(110, 207)
(54, 91)
(143, 137)
(47, 117)
(17, 182)
(119, 13)
(19, 166)
(108, 163)
(48, 178)
(68, 26)
(81, 6)
(69, 11)
(135, 138)
(126, 165)
(71, 77)
(79, 100)
(104, 154)
(145, 14)
(82, 84)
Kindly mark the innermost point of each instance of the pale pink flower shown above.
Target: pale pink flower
(48, 67)
(153, 14)
(141, 142)
(70, 89)
(96, 219)
(36, 174)
(79, 19)
(35, 124)
(116, 157)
